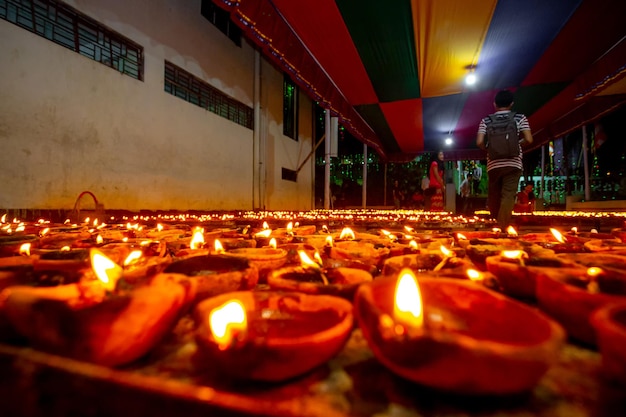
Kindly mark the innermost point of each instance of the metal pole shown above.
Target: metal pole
(586, 165)
(542, 185)
(256, 133)
(327, 196)
(364, 190)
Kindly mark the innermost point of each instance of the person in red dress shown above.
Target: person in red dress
(525, 200)
(437, 183)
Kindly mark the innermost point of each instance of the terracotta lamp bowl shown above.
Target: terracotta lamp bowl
(86, 324)
(424, 262)
(342, 281)
(566, 296)
(10, 244)
(288, 334)
(605, 260)
(520, 280)
(474, 341)
(216, 274)
(264, 259)
(610, 325)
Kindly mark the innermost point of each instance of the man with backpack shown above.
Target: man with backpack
(499, 134)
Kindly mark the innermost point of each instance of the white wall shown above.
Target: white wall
(69, 124)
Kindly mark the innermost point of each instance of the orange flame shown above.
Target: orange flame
(25, 249)
(511, 231)
(227, 322)
(272, 243)
(132, 257)
(347, 234)
(107, 271)
(408, 307)
(264, 233)
(306, 260)
(218, 246)
(197, 240)
(557, 235)
(474, 275)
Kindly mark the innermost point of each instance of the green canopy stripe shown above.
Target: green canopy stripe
(390, 60)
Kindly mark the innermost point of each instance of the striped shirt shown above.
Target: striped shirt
(515, 162)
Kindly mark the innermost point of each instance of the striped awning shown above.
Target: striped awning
(393, 71)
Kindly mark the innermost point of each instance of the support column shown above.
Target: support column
(327, 195)
(364, 189)
(586, 164)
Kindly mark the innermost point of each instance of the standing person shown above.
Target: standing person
(525, 199)
(504, 156)
(398, 195)
(437, 185)
(465, 191)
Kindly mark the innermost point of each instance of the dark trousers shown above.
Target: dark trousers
(503, 184)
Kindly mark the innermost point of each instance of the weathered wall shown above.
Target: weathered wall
(70, 124)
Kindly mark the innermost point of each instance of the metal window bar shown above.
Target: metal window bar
(186, 86)
(69, 28)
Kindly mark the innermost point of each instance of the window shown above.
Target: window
(71, 29)
(182, 84)
(290, 109)
(221, 19)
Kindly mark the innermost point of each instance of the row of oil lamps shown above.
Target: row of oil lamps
(445, 310)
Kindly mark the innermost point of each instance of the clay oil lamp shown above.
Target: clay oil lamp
(55, 238)
(196, 245)
(479, 251)
(609, 323)
(216, 274)
(348, 248)
(567, 244)
(21, 258)
(140, 260)
(314, 276)
(263, 259)
(10, 244)
(516, 271)
(571, 297)
(61, 266)
(606, 260)
(464, 238)
(456, 336)
(604, 245)
(95, 320)
(295, 233)
(592, 234)
(443, 260)
(168, 233)
(270, 336)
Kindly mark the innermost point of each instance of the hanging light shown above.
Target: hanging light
(471, 78)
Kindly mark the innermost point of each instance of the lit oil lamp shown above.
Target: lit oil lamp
(216, 274)
(264, 259)
(443, 261)
(94, 320)
(609, 323)
(466, 340)
(270, 336)
(571, 297)
(516, 271)
(479, 251)
(317, 277)
(10, 244)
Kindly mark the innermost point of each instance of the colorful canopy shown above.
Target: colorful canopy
(393, 71)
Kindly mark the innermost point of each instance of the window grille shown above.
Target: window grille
(71, 29)
(182, 84)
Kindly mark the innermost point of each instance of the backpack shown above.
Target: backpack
(502, 136)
